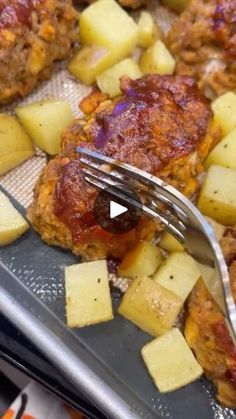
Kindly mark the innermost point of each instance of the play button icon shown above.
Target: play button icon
(116, 209)
(113, 214)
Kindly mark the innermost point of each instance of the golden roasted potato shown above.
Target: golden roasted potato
(170, 243)
(106, 24)
(147, 30)
(109, 81)
(224, 109)
(213, 284)
(89, 62)
(15, 144)
(45, 121)
(157, 59)
(217, 198)
(13, 138)
(88, 299)
(150, 306)
(178, 273)
(224, 153)
(12, 223)
(170, 361)
(10, 161)
(143, 259)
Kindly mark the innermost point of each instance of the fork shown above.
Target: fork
(165, 204)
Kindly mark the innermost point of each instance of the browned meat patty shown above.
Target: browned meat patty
(161, 124)
(203, 40)
(33, 35)
(207, 333)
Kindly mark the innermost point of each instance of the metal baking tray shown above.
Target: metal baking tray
(102, 361)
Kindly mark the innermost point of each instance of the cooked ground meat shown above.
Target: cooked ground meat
(207, 334)
(33, 35)
(203, 40)
(161, 124)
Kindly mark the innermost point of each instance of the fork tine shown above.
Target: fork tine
(179, 212)
(114, 174)
(134, 173)
(198, 238)
(146, 210)
(113, 189)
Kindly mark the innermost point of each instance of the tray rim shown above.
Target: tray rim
(118, 404)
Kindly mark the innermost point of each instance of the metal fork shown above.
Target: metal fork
(165, 204)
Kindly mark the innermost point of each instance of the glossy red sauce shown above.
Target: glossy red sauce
(225, 342)
(158, 119)
(16, 12)
(73, 205)
(231, 375)
(224, 339)
(74, 200)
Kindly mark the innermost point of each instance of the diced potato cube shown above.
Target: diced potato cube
(218, 195)
(150, 306)
(213, 284)
(105, 23)
(88, 299)
(109, 81)
(147, 30)
(178, 273)
(45, 121)
(157, 59)
(177, 5)
(170, 243)
(15, 144)
(10, 161)
(90, 61)
(224, 154)
(224, 108)
(12, 223)
(143, 259)
(218, 229)
(13, 138)
(170, 361)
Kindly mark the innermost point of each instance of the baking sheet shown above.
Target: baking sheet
(104, 360)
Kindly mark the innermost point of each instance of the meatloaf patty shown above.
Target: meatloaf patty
(33, 35)
(161, 124)
(203, 40)
(207, 333)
